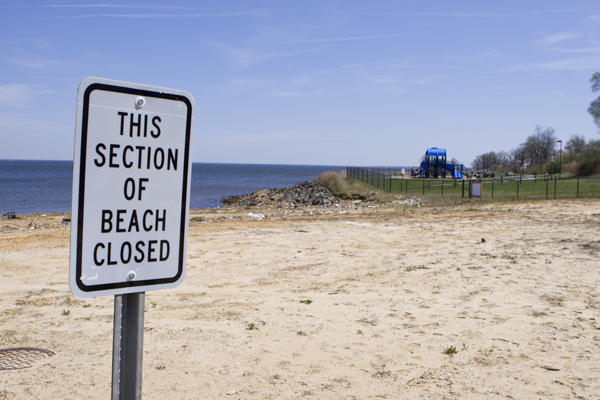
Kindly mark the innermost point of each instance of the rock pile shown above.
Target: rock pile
(304, 194)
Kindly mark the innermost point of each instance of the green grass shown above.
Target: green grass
(492, 188)
(251, 327)
(450, 350)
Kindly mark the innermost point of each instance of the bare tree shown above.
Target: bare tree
(504, 160)
(487, 161)
(576, 144)
(594, 108)
(540, 145)
(477, 162)
(518, 153)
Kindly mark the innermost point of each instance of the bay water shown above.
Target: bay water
(28, 186)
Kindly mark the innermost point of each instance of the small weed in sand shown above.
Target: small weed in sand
(359, 332)
(263, 323)
(380, 371)
(450, 350)
(160, 367)
(154, 304)
(87, 305)
(306, 301)
(465, 347)
(66, 312)
(251, 327)
(553, 300)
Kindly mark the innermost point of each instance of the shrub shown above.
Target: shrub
(333, 181)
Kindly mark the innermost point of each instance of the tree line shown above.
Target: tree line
(541, 151)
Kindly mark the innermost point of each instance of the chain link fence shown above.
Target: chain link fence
(502, 188)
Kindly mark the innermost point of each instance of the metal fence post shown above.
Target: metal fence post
(577, 187)
(518, 184)
(492, 188)
(546, 189)
(463, 189)
(555, 178)
(442, 188)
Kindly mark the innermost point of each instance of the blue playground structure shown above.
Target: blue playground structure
(435, 166)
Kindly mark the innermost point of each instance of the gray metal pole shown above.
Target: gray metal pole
(555, 188)
(128, 346)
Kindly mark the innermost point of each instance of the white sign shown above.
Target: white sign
(475, 189)
(131, 188)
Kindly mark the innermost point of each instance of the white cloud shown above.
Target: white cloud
(580, 50)
(170, 16)
(345, 39)
(289, 94)
(269, 137)
(25, 122)
(244, 58)
(114, 6)
(594, 18)
(557, 38)
(15, 95)
(577, 64)
(467, 15)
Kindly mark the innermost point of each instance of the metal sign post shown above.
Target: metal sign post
(128, 345)
(130, 205)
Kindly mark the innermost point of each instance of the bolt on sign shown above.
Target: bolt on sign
(131, 188)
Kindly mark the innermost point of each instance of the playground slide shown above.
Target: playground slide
(458, 175)
(421, 170)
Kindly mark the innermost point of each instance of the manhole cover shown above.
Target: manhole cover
(21, 357)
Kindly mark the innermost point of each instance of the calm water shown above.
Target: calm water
(45, 186)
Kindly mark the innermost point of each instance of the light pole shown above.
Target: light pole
(560, 168)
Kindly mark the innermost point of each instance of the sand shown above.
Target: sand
(360, 303)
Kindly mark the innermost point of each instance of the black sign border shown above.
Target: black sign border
(82, 166)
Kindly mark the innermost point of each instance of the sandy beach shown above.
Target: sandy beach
(360, 301)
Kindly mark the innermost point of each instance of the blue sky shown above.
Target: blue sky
(309, 82)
